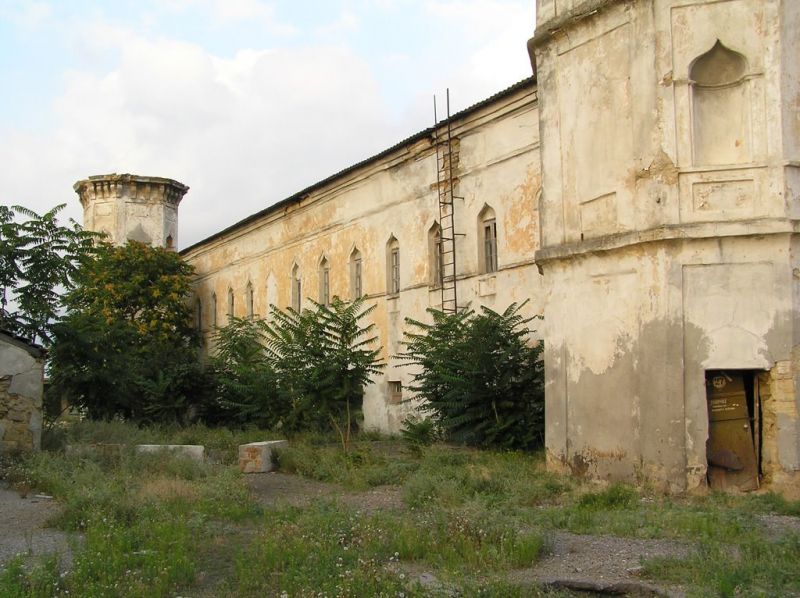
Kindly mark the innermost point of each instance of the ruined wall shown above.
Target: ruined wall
(21, 371)
(668, 224)
(388, 200)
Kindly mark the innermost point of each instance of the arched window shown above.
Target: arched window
(198, 314)
(356, 280)
(297, 289)
(231, 303)
(324, 282)
(392, 266)
(435, 255)
(250, 300)
(720, 108)
(487, 235)
(272, 291)
(214, 310)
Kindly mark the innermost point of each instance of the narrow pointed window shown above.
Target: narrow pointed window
(214, 310)
(297, 289)
(198, 314)
(250, 298)
(231, 303)
(324, 282)
(436, 259)
(356, 281)
(392, 266)
(487, 233)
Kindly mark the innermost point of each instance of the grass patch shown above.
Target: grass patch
(140, 515)
(162, 525)
(360, 468)
(751, 567)
(333, 550)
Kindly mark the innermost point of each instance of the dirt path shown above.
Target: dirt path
(23, 531)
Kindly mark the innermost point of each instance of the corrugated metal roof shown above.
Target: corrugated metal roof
(530, 81)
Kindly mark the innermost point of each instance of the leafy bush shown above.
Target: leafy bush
(245, 381)
(418, 433)
(323, 357)
(481, 379)
(300, 371)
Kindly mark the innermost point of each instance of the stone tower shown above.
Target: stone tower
(670, 211)
(131, 207)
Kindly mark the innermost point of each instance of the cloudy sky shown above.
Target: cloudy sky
(245, 101)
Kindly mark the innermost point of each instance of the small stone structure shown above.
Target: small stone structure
(21, 386)
(256, 457)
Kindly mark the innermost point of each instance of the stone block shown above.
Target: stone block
(256, 457)
(190, 451)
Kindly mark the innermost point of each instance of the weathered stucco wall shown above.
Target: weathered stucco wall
(130, 207)
(21, 379)
(393, 198)
(668, 228)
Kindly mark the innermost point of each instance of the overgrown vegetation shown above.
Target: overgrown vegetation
(483, 382)
(38, 261)
(469, 520)
(246, 384)
(126, 346)
(299, 370)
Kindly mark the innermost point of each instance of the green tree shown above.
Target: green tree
(126, 346)
(39, 259)
(323, 358)
(480, 378)
(301, 370)
(245, 382)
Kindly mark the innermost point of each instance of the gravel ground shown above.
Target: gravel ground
(23, 531)
(604, 563)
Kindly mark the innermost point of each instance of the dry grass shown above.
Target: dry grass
(168, 489)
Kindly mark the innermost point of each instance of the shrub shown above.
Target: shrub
(245, 382)
(323, 357)
(481, 379)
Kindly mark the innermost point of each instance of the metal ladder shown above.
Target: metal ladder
(446, 156)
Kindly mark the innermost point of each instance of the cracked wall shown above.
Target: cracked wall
(21, 382)
(668, 228)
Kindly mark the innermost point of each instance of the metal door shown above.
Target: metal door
(731, 454)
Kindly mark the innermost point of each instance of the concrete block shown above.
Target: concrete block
(256, 457)
(191, 451)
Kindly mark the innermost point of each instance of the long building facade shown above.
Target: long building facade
(642, 190)
(375, 229)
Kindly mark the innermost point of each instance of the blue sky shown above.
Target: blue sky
(246, 101)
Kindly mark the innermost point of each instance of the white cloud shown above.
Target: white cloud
(26, 14)
(242, 132)
(233, 11)
(345, 23)
(246, 130)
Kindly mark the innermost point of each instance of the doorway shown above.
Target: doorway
(733, 448)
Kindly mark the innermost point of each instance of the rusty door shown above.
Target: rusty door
(731, 454)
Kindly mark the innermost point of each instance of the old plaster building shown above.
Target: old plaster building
(642, 191)
(670, 147)
(21, 387)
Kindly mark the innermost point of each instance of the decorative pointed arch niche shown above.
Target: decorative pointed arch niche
(721, 108)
